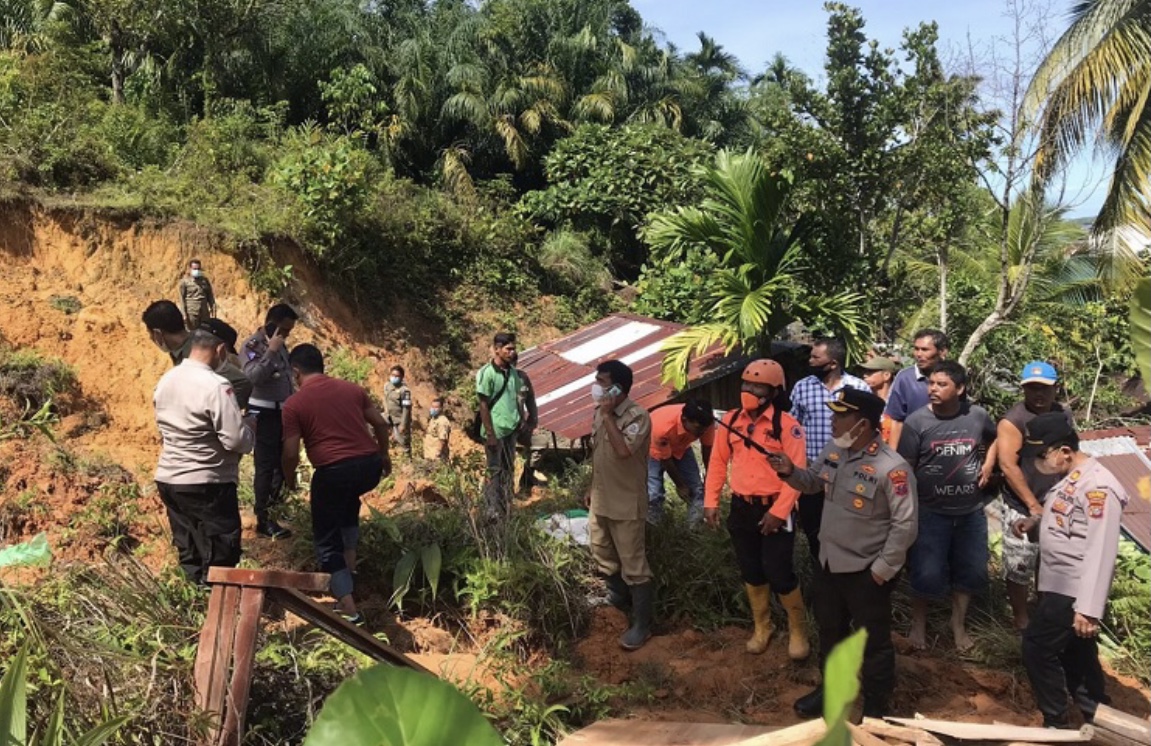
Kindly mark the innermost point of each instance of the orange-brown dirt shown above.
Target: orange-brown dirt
(114, 267)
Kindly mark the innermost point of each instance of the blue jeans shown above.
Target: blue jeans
(950, 554)
(688, 469)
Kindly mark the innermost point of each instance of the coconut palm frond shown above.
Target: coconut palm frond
(680, 348)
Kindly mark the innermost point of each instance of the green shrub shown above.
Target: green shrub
(32, 380)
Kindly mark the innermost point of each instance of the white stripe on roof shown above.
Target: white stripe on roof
(606, 344)
(587, 380)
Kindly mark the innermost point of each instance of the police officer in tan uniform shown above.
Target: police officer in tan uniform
(265, 359)
(617, 518)
(398, 408)
(1078, 536)
(869, 522)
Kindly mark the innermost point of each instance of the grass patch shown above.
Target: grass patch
(34, 381)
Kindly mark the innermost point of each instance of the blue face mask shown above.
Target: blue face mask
(434, 412)
(395, 380)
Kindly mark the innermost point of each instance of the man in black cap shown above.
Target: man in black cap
(869, 522)
(1078, 538)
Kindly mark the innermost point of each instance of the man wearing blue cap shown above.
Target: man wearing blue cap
(1025, 486)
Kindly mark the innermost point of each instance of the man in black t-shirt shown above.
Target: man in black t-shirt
(946, 444)
(1025, 487)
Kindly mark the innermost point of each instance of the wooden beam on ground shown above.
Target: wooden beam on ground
(648, 733)
(991, 732)
(1111, 723)
(863, 738)
(884, 729)
(803, 734)
(311, 582)
(341, 629)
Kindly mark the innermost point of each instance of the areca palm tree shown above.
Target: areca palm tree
(759, 290)
(1097, 77)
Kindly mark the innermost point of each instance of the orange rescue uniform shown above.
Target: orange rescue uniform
(751, 474)
(669, 439)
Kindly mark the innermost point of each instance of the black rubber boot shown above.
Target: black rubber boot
(642, 598)
(810, 705)
(874, 706)
(618, 594)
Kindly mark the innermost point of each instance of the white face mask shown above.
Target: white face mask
(599, 394)
(197, 273)
(848, 438)
(1043, 466)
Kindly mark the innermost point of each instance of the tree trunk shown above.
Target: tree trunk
(990, 324)
(944, 260)
(115, 40)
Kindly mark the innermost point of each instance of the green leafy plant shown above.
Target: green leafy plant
(841, 687)
(14, 729)
(385, 706)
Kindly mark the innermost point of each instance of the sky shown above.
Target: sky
(754, 30)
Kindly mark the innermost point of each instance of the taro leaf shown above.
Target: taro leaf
(841, 687)
(432, 560)
(386, 706)
(402, 577)
(14, 702)
(1141, 329)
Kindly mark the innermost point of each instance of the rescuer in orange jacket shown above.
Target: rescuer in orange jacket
(760, 522)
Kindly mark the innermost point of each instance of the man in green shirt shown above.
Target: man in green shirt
(498, 387)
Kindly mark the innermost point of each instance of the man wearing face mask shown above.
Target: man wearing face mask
(869, 522)
(166, 329)
(265, 358)
(617, 509)
(826, 378)
(438, 432)
(196, 295)
(1025, 487)
(203, 435)
(675, 428)
(1078, 538)
(760, 521)
(398, 408)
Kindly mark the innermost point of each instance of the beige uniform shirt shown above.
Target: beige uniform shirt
(1079, 537)
(619, 485)
(197, 297)
(870, 510)
(241, 386)
(436, 438)
(200, 425)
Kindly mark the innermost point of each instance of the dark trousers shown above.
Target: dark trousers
(810, 517)
(501, 469)
(336, 491)
(763, 559)
(205, 521)
(844, 600)
(269, 478)
(1058, 661)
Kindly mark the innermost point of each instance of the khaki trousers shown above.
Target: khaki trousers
(618, 546)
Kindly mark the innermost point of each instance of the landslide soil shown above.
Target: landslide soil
(114, 267)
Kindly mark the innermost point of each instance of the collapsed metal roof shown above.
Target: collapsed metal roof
(563, 369)
(1121, 453)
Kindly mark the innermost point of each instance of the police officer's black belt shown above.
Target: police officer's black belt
(264, 403)
(756, 499)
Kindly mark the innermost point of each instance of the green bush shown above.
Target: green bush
(32, 380)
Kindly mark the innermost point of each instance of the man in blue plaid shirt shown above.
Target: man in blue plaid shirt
(809, 406)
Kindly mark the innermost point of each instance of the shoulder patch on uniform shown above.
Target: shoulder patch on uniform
(632, 429)
(900, 489)
(796, 431)
(1096, 501)
(867, 468)
(898, 479)
(897, 475)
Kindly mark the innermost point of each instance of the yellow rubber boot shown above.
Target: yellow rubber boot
(798, 647)
(760, 598)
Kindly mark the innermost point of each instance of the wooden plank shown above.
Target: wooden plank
(222, 657)
(884, 729)
(643, 733)
(341, 629)
(989, 732)
(1119, 722)
(1104, 737)
(804, 734)
(313, 582)
(206, 649)
(244, 654)
(863, 738)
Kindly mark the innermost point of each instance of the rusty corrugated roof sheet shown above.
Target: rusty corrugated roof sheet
(1124, 458)
(562, 370)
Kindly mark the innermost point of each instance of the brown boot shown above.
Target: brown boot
(798, 647)
(759, 596)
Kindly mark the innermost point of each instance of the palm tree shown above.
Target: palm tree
(1098, 76)
(758, 291)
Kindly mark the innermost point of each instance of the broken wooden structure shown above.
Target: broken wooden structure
(223, 668)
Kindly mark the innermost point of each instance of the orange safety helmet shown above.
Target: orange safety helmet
(764, 371)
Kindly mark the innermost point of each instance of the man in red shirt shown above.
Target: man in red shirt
(673, 430)
(331, 417)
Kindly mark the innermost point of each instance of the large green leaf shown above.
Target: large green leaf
(432, 560)
(13, 702)
(385, 706)
(1141, 328)
(841, 687)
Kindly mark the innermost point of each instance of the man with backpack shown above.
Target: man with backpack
(499, 387)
